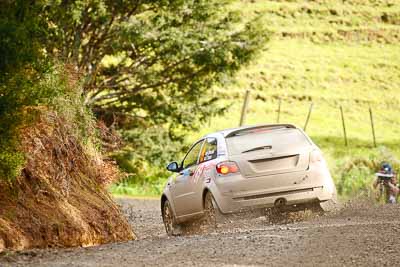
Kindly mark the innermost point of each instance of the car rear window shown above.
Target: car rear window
(274, 139)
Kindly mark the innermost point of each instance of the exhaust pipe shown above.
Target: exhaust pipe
(280, 202)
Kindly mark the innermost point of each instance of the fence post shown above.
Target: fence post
(308, 116)
(279, 111)
(372, 126)
(244, 108)
(344, 126)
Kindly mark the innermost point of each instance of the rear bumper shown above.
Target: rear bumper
(319, 189)
(237, 204)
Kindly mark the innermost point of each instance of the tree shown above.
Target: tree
(149, 64)
(145, 61)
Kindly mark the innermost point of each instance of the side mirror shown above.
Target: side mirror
(173, 167)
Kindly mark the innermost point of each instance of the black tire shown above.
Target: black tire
(168, 219)
(211, 212)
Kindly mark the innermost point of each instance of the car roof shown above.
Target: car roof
(231, 131)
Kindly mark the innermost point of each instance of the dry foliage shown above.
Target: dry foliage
(60, 198)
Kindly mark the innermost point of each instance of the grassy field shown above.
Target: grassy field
(331, 54)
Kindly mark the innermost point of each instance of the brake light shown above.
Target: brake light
(316, 156)
(227, 167)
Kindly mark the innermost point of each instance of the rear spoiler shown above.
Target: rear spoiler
(267, 126)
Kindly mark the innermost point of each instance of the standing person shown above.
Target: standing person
(387, 176)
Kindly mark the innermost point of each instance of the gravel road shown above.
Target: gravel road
(360, 234)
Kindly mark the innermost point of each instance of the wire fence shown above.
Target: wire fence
(340, 109)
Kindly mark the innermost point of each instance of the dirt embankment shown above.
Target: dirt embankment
(59, 200)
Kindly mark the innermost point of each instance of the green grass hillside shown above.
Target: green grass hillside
(325, 52)
(330, 53)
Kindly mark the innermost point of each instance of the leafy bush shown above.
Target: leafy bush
(10, 164)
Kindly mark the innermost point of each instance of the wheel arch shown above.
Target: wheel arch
(166, 195)
(163, 200)
(214, 196)
(203, 198)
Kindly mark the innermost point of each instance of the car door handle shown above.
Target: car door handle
(191, 173)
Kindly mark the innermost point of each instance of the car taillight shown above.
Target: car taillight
(316, 156)
(227, 167)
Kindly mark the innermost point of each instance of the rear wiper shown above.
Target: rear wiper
(258, 148)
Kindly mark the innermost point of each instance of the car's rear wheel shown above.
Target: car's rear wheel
(168, 218)
(211, 211)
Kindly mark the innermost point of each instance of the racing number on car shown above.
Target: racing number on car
(204, 170)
